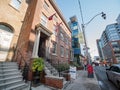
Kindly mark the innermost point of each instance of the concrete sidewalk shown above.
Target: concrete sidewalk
(83, 82)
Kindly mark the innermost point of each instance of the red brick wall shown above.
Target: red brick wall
(54, 82)
(27, 34)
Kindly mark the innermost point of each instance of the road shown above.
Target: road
(102, 78)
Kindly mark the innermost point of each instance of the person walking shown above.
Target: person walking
(90, 71)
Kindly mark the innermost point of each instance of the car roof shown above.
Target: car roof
(118, 65)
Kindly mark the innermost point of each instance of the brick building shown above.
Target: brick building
(39, 36)
(11, 20)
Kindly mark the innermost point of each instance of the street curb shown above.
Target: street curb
(97, 80)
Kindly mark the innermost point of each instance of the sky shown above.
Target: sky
(90, 8)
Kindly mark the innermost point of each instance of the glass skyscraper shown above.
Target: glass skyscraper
(110, 41)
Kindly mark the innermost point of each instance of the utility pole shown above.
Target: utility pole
(83, 25)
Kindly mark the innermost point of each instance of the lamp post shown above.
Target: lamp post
(103, 15)
(84, 35)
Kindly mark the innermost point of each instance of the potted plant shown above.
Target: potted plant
(37, 67)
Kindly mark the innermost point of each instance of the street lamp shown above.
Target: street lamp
(103, 15)
(83, 29)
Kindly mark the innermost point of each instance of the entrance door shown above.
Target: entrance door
(42, 45)
(5, 40)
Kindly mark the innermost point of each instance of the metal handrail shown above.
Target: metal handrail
(24, 68)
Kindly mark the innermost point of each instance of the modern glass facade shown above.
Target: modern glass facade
(75, 37)
(99, 46)
(118, 19)
(110, 43)
(111, 33)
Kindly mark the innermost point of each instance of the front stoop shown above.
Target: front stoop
(10, 77)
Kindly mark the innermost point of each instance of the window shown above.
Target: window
(74, 32)
(61, 36)
(55, 18)
(66, 40)
(62, 51)
(54, 51)
(66, 53)
(46, 6)
(115, 69)
(6, 36)
(16, 3)
(44, 20)
(75, 27)
(54, 30)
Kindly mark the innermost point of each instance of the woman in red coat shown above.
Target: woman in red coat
(90, 71)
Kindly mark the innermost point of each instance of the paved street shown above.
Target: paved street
(102, 78)
(83, 82)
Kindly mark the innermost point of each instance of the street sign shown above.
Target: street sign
(73, 72)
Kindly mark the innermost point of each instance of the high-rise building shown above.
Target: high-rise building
(100, 51)
(118, 19)
(76, 43)
(110, 43)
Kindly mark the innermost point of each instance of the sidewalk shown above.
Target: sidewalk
(83, 82)
(42, 87)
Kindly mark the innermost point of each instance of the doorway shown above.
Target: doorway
(42, 45)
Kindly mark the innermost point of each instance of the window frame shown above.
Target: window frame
(54, 48)
(62, 51)
(16, 4)
(44, 20)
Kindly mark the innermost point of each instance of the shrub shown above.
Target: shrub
(62, 67)
(38, 64)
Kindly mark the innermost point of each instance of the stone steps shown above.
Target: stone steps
(10, 77)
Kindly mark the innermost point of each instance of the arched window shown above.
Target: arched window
(3, 27)
(6, 35)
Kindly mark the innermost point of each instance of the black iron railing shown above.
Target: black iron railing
(23, 65)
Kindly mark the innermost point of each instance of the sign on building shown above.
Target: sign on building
(72, 72)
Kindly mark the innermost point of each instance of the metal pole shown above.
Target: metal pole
(86, 48)
(83, 29)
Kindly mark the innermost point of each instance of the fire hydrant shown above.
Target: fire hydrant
(90, 71)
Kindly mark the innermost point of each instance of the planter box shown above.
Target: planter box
(66, 76)
(53, 81)
(80, 68)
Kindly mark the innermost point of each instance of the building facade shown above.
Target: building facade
(36, 28)
(118, 19)
(110, 43)
(45, 33)
(99, 47)
(76, 39)
(11, 20)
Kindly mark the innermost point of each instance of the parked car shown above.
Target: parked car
(113, 74)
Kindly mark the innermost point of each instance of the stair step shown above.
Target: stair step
(8, 70)
(8, 79)
(49, 69)
(10, 83)
(10, 74)
(7, 67)
(7, 73)
(8, 63)
(18, 87)
(11, 77)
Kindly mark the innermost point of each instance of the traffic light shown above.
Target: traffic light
(103, 15)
